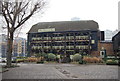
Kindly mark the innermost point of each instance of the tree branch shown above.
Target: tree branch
(5, 16)
(27, 17)
(10, 18)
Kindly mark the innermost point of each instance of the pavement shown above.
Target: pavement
(61, 71)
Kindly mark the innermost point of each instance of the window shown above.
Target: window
(93, 41)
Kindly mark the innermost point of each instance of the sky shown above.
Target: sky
(105, 12)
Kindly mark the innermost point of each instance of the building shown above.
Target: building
(106, 46)
(116, 43)
(0, 31)
(119, 16)
(115, 32)
(75, 19)
(3, 45)
(64, 37)
(108, 34)
(0, 17)
(19, 47)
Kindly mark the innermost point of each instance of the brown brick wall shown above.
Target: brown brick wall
(107, 45)
(95, 53)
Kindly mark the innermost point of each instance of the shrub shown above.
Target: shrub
(40, 54)
(92, 60)
(20, 60)
(26, 60)
(82, 62)
(32, 59)
(40, 62)
(21, 57)
(66, 60)
(112, 62)
(87, 59)
(77, 57)
(51, 56)
(96, 60)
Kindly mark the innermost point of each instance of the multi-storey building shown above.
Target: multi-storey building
(65, 37)
(19, 47)
(3, 45)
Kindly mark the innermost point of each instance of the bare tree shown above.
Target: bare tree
(16, 13)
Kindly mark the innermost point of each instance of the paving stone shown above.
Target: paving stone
(54, 71)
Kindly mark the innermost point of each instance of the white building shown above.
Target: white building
(108, 34)
(75, 19)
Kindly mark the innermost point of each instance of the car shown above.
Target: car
(3, 60)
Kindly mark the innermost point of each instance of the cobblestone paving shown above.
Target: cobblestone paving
(33, 71)
(93, 71)
(62, 71)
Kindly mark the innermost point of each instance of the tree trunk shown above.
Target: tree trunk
(9, 50)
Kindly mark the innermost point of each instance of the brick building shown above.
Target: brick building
(106, 45)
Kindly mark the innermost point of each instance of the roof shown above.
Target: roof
(66, 26)
(118, 34)
(106, 41)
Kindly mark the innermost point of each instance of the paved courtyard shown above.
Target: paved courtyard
(61, 71)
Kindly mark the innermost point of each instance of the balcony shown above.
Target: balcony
(82, 37)
(36, 38)
(57, 38)
(47, 38)
(82, 47)
(36, 47)
(47, 47)
(69, 37)
(69, 47)
(58, 47)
